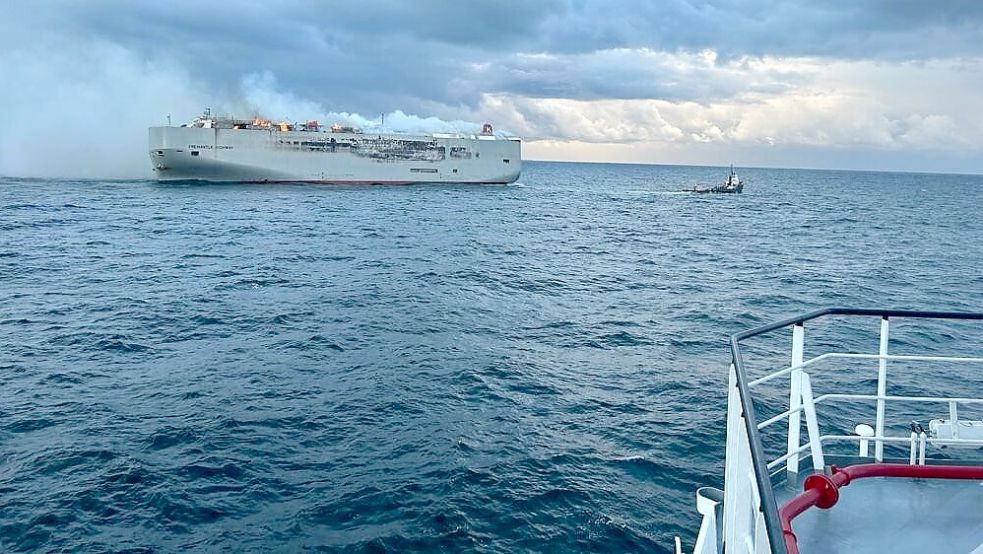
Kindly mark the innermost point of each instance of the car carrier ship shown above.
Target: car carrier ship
(214, 148)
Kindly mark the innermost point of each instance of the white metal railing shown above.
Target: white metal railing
(807, 405)
(749, 516)
(834, 355)
(742, 526)
(802, 400)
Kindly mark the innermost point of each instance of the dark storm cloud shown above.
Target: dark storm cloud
(627, 74)
(365, 56)
(378, 55)
(833, 28)
(719, 71)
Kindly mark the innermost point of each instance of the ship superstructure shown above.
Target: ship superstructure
(259, 150)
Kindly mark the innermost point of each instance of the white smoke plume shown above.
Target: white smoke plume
(82, 110)
(74, 111)
(262, 96)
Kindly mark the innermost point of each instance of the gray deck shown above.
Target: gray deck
(895, 515)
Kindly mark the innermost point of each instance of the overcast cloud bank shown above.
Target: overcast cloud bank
(880, 85)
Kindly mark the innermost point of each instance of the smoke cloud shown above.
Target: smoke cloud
(83, 110)
(262, 96)
(77, 109)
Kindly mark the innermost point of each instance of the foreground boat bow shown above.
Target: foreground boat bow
(937, 484)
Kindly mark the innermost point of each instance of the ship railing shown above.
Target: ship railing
(749, 519)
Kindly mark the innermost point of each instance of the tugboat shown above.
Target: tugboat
(733, 185)
(912, 487)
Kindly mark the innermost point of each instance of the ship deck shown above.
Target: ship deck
(865, 475)
(891, 514)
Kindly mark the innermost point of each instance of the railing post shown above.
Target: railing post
(812, 424)
(794, 402)
(708, 502)
(881, 392)
(736, 460)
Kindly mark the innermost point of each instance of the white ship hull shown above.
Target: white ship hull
(271, 155)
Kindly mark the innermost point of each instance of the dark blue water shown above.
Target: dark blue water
(538, 367)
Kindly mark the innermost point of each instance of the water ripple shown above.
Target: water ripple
(538, 367)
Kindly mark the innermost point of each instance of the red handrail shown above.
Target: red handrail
(823, 491)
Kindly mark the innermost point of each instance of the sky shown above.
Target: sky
(840, 84)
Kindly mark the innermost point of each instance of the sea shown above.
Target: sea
(538, 367)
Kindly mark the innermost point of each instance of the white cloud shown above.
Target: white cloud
(933, 131)
(870, 106)
(81, 107)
